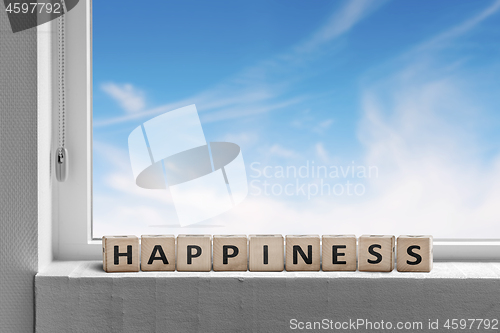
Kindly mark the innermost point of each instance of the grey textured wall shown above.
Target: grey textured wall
(79, 297)
(18, 176)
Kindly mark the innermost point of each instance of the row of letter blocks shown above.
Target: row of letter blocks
(266, 253)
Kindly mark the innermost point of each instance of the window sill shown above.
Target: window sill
(441, 270)
(79, 296)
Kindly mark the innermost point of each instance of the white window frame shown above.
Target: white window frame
(72, 200)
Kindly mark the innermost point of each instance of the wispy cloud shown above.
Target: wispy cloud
(461, 28)
(250, 110)
(428, 48)
(258, 89)
(224, 101)
(306, 120)
(127, 96)
(340, 22)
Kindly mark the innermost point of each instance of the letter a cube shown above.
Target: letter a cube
(158, 253)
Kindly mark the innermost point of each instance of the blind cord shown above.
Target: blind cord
(62, 77)
(61, 153)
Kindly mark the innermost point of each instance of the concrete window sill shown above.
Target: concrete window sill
(80, 297)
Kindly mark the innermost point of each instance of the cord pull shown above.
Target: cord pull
(61, 164)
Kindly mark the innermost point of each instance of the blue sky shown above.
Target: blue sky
(410, 87)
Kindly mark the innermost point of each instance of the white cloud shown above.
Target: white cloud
(430, 179)
(247, 138)
(118, 177)
(321, 152)
(322, 126)
(279, 151)
(127, 96)
(430, 172)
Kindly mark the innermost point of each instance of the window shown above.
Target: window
(344, 117)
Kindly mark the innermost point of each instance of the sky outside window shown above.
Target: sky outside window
(352, 117)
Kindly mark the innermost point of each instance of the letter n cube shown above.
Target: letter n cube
(302, 253)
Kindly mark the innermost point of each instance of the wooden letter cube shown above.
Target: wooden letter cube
(120, 253)
(158, 253)
(376, 253)
(230, 253)
(414, 254)
(302, 253)
(339, 253)
(266, 253)
(194, 253)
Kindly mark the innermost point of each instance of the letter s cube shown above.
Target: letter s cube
(414, 254)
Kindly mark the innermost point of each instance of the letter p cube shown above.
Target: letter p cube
(194, 253)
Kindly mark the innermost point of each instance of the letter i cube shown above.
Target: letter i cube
(267, 253)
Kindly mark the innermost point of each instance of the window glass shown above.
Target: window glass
(296, 117)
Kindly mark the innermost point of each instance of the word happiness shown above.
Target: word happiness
(261, 253)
